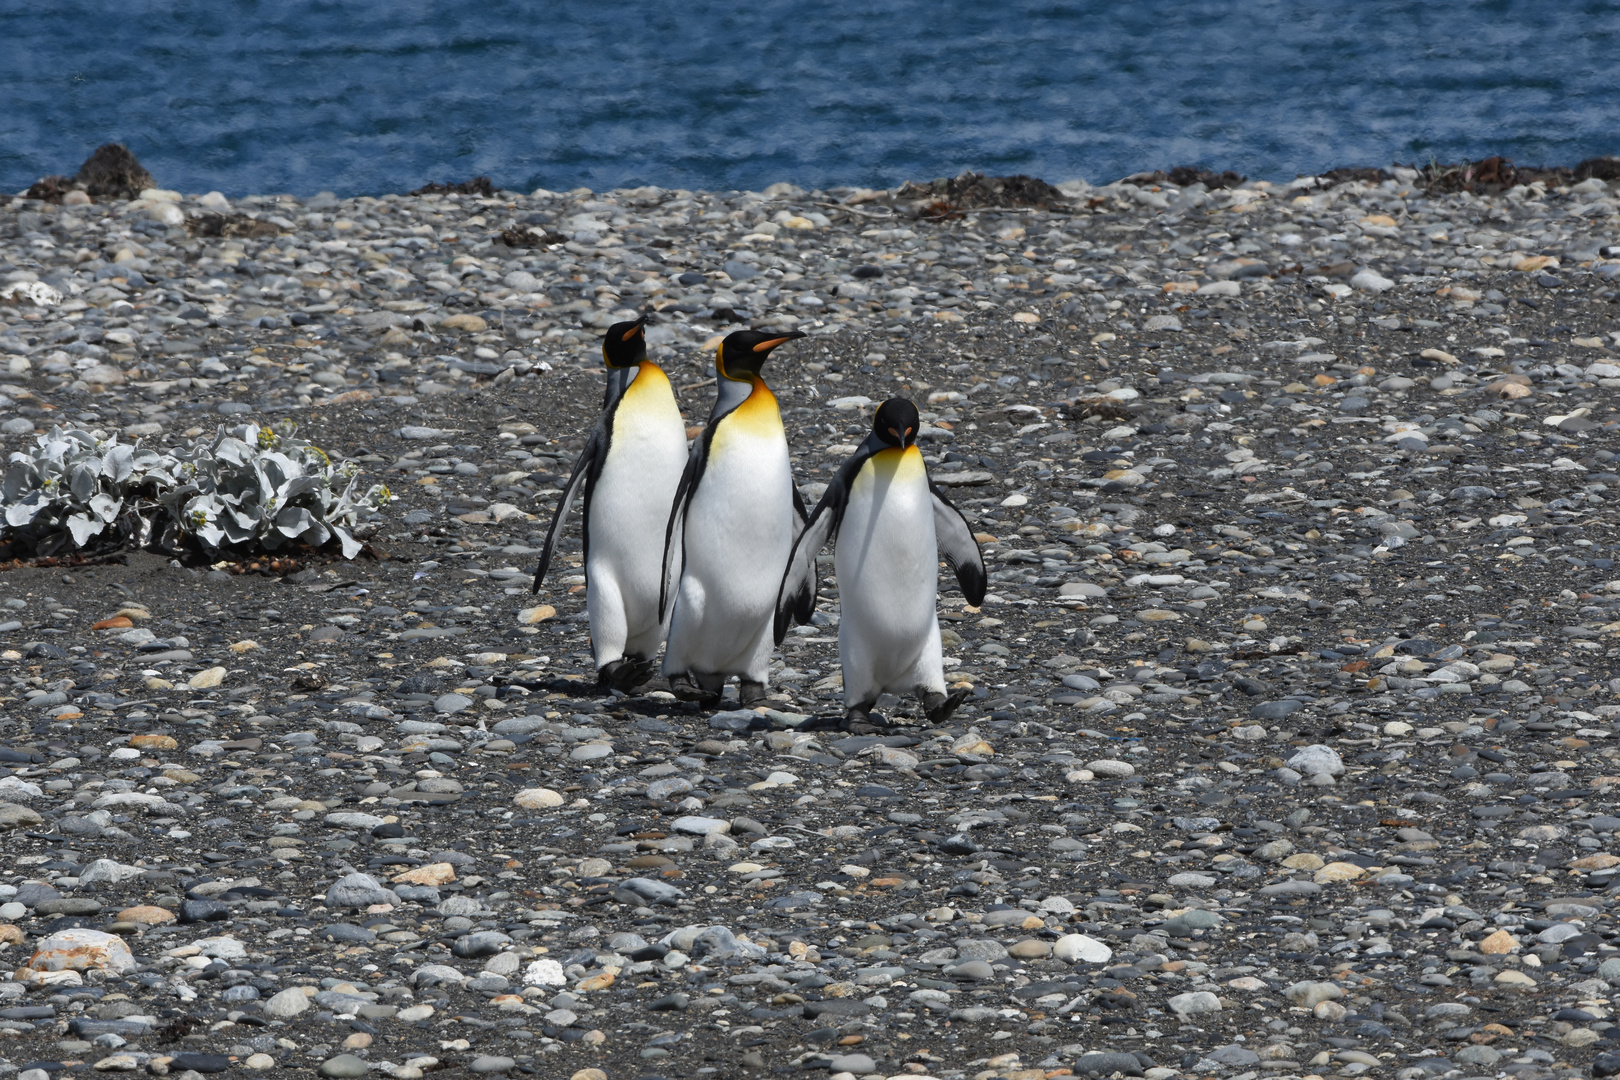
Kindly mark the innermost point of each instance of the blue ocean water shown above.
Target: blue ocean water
(372, 96)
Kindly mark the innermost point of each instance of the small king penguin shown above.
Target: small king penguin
(628, 471)
(732, 525)
(890, 524)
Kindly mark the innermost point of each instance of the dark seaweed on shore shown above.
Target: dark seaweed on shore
(112, 172)
(975, 191)
(1186, 176)
(478, 185)
(1491, 175)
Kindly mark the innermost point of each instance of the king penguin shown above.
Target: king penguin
(731, 528)
(890, 524)
(628, 472)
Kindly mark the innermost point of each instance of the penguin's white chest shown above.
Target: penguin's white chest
(646, 453)
(648, 443)
(738, 535)
(887, 558)
(739, 528)
(629, 509)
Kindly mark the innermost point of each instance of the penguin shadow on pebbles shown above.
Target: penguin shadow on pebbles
(890, 525)
(626, 477)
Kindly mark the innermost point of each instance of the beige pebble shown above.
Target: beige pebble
(595, 982)
(1601, 861)
(538, 798)
(1030, 949)
(441, 873)
(207, 679)
(146, 914)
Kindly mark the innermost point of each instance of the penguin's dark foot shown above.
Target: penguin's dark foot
(625, 674)
(939, 708)
(750, 693)
(858, 720)
(686, 690)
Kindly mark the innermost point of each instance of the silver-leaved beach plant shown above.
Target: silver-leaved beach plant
(252, 486)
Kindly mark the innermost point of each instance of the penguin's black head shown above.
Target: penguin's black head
(897, 422)
(625, 343)
(743, 352)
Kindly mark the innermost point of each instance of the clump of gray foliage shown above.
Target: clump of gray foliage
(249, 487)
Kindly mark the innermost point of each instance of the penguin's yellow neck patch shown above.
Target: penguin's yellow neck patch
(649, 380)
(648, 395)
(895, 462)
(757, 417)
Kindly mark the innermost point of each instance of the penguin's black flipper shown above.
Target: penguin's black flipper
(585, 472)
(675, 530)
(956, 543)
(801, 515)
(796, 598)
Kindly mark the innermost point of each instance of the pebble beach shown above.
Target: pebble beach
(1291, 750)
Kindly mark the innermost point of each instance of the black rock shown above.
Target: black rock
(86, 1028)
(29, 894)
(196, 911)
(203, 1063)
(836, 1008)
(422, 683)
(29, 1012)
(1099, 1063)
(670, 1003)
(417, 894)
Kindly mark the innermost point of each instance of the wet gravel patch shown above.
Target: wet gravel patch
(1289, 746)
